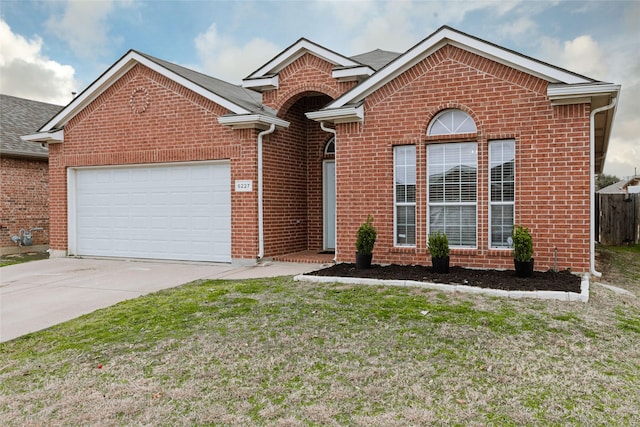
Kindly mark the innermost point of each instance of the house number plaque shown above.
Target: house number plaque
(244, 186)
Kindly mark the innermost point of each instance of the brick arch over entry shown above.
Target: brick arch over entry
(293, 180)
(290, 97)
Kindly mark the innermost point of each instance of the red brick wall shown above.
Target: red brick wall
(293, 181)
(552, 195)
(24, 199)
(552, 155)
(307, 74)
(177, 125)
(293, 157)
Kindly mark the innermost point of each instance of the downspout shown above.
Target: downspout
(592, 167)
(335, 182)
(260, 207)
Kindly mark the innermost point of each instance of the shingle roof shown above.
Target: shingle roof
(245, 98)
(376, 59)
(19, 116)
(619, 187)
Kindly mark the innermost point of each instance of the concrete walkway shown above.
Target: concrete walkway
(40, 294)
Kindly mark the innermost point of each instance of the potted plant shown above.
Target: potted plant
(365, 240)
(522, 251)
(439, 248)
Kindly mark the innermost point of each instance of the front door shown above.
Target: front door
(329, 203)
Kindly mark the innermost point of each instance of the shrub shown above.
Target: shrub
(522, 244)
(366, 237)
(438, 245)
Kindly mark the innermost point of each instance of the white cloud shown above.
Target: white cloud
(225, 59)
(27, 73)
(386, 28)
(521, 27)
(83, 26)
(581, 55)
(397, 25)
(609, 60)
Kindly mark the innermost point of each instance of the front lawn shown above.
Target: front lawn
(285, 353)
(620, 266)
(20, 258)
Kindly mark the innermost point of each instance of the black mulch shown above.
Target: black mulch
(494, 279)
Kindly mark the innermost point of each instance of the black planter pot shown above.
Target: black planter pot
(524, 268)
(440, 264)
(363, 261)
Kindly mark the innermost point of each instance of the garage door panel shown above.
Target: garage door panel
(168, 212)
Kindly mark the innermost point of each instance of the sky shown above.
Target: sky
(49, 49)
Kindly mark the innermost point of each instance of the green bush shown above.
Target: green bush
(438, 245)
(366, 237)
(522, 243)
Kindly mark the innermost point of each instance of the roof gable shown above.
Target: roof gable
(234, 98)
(444, 36)
(266, 77)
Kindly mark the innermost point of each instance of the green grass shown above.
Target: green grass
(21, 258)
(278, 352)
(621, 265)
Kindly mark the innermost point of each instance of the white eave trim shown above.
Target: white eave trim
(53, 137)
(448, 36)
(574, 94)
(247, 121)
(297, 50)
(351, 73)
(262, 83)
(338, 115)
(116, 71)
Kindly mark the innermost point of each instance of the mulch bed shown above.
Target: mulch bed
(495, 279)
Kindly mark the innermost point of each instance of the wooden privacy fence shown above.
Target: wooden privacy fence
(618, 218)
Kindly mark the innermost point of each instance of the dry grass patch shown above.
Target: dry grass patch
(282, 353)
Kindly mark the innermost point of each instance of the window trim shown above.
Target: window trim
(444, 203)
(331, 143)
(437, 119)
(500, 203)
(396, 203)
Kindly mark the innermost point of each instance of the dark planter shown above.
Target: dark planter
(440, 264)
(524, 268)
(363, 261)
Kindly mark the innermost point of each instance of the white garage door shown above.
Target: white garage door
(180, 212)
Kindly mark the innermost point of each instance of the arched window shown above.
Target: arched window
(450, 122)
(330, 147)
(452, 180)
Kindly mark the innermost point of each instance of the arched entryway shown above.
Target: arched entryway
(298, 210)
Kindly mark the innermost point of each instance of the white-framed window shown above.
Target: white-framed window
(404, 176)
(330, 147)
(452, 184)
(449, 122)
(502, 172)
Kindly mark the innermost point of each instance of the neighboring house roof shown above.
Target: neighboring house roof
(19, 116)
(625, 186)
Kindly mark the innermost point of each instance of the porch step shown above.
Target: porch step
(310, 257)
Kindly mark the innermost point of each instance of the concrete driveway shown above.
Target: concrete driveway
(39, 294)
